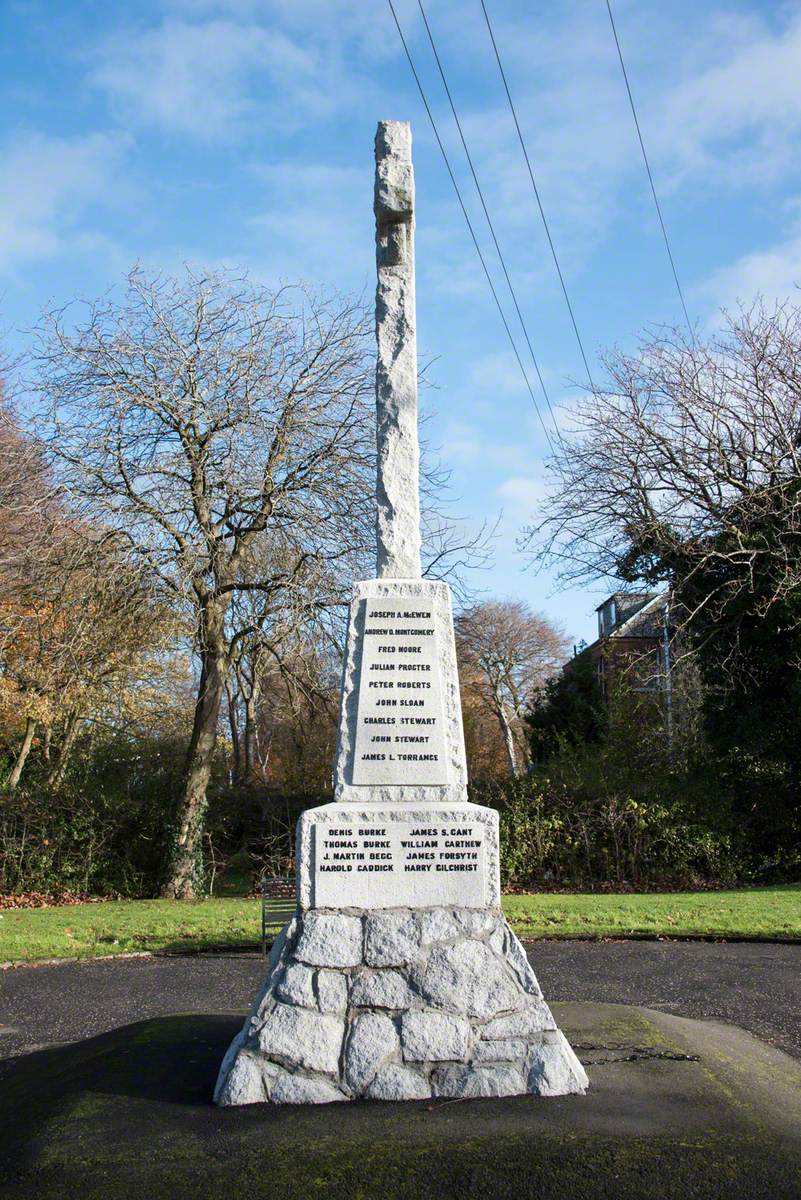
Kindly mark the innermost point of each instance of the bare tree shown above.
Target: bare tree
(198, 419)
(263, 636)
(686, 467)
(297, 716)
(283, 690)
(506, 654)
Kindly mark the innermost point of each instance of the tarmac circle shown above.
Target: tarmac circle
(677, 1109)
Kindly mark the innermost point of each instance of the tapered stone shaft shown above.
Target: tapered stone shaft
(398, 488)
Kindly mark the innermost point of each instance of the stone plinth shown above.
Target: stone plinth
(399, 1004)
(402, 856)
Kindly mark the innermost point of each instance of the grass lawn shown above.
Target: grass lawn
(744, 912)
(120, 927)
(123, 926)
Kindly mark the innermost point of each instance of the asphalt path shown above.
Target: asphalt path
(754, 985)
(711, 1114)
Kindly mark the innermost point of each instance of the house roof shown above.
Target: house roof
(627, 600)
(646, 621)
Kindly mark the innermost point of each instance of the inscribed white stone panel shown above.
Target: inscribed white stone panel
(400, 733)
(389, 862)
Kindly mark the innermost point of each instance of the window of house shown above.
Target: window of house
(607, 618)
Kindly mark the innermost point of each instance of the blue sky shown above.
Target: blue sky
(241, 133)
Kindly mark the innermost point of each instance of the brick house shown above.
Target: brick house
(635, 630)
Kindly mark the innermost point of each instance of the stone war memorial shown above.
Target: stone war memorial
(398, 977)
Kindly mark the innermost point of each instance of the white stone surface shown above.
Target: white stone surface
(244, 1083)
(275, 968)
(286, 1087)
(397, 491)
(330, 940)
(502, 1079)
(381, 989)
(413, 1017)
(478, 921)
(440, 775)
(395, 1082)
(505, 943)
(501, 1051)
(240, 1077)
(467, 977)
(440, 925)
(434, 1037)
(302, 1038)
(555, 1070)
(401, 839)
(400, 730)
(297, 986)
(372, 1040)
(332, 991)
(443, 885)
(436, 596)
(535, 1018)
(391, 939)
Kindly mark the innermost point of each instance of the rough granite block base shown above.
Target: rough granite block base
(397, 1004)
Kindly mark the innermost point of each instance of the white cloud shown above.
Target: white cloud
(197, 78)
(463, 444)
(721, 111)
(523, 495)
(774, 273)
(739, 118)
(315, 222)
(324, 21)
(46, 185)
(498, 373)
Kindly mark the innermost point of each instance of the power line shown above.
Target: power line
(486, 212)
(648, 169)
(537, 195)
(470, 226)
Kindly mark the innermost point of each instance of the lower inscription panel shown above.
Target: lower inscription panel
(383, 861)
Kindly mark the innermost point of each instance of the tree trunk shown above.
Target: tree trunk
(183, 877)
(250, 737)
(56, 777)
(236, 752)
(24, 751)
(508, 740)
(47, 734)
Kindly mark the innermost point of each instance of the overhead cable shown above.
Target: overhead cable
(486, 212)
(648, 170)
(537, 195)
(471, 229)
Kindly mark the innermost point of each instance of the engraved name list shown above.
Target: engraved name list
(399, 734)
(425, 860)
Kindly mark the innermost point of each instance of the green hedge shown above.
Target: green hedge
(102, 831)
(551, 835)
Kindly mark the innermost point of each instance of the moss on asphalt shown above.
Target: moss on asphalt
(128, 1114)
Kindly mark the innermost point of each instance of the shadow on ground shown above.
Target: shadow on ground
(677, 1108)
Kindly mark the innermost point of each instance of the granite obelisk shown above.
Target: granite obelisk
(398, 460)
(398, 977)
